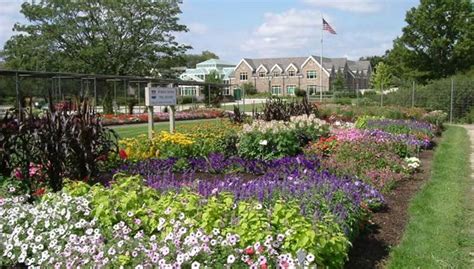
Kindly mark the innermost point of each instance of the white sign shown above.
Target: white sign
(160, 96)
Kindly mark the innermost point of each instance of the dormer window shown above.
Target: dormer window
(291, 73)
(276, 73)
(261, 74)
(311, 74)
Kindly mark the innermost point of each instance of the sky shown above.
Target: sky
(236, 29)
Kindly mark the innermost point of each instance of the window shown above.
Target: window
(243, 76)
(311, 74)
(226, 91)
(276, 90)
(312, 89)
(276, 73)
(291, 73)
(290, 89)
(261, 74)
(188, 91)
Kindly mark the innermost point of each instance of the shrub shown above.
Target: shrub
(375, 163)
(300, 92)
(275, 139)
(343, 101)
(249, 89)
(188, 100)
(57, 145)
(277, 109)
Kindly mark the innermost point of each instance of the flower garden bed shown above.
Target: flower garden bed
(119, 119)
(265, 194)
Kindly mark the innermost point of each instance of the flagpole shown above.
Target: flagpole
(321, 62)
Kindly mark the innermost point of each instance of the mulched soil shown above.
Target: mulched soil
(372, 246)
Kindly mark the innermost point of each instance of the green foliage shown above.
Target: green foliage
(278, 109)
(128, 199)
(300, 93)
(436, 42)
(124, 37)
(267, 146)
(190, 60)
(213, 94)
(382, 78)
(339, 83)
(376, 163)
(436, 95)
(57, 145)
(248, 88)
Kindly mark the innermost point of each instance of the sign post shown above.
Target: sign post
(159, 96)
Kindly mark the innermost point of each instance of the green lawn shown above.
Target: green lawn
(437, 235)
(132, 130)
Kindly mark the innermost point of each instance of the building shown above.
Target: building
(281, 76)
(200, 73)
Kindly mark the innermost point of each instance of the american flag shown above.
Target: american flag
(328, 27)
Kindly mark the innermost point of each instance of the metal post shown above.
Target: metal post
(413, 95)
(95, 95)
(451, 106)
(151, 122)
(138, 85)
(209, 94)
(357, 94)
(115, 98)
(243, 99)
(60, 91)
(172, 110)
(381, 95)
(18, 96)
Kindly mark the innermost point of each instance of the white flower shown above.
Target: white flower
(230, 259)
(195, 265)
(263, 142)
(111, 251)
(310, 257)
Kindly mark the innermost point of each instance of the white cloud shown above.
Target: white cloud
(290, 30)
(361, 6)
(9, 15)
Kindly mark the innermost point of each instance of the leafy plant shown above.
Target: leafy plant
(63, 144)
(278, 109)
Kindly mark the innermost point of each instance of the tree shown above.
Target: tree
(382, 78)
(106, 37)
(437, 42)
(190, 60)
(213, 94)
(374, 60)
(338, 84)
(248, 88)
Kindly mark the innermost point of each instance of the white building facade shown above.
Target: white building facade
(202, 70)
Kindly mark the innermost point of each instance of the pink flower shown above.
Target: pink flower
(34, 169)
(17, 173)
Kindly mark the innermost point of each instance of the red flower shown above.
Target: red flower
(39, 192)
(102, 157)
(123, 154)
(249, 251)
(263, 266)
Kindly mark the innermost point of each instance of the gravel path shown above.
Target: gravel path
(470, 130)
(470, 198)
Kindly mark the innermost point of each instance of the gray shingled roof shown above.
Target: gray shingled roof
(328, 63)
(282, 62)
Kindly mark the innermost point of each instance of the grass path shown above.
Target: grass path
(439, 233)
(132, 130)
